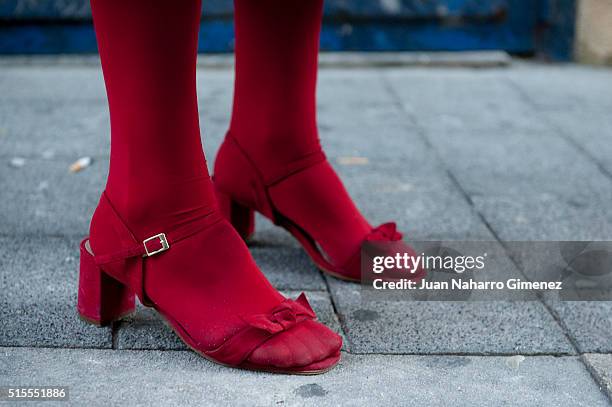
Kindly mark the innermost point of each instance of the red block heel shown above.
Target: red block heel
(240, 216)
(101, 299)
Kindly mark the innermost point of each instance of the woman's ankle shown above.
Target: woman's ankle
(151, 207)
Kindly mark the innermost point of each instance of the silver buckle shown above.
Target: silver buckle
(162, 240)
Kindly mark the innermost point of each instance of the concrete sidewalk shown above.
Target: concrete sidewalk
(521, 152)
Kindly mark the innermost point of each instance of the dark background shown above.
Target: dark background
(544, 28)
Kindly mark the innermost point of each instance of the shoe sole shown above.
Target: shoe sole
(253, 368)
(250, 367)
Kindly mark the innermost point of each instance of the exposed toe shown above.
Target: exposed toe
(304, 344)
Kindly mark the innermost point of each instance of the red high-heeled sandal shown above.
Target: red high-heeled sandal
(242, 189)
(115, 266)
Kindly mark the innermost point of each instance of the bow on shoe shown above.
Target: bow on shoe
(284, 316)
(384, 232)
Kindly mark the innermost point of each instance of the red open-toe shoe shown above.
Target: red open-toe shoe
(242, 189)
(183, 273)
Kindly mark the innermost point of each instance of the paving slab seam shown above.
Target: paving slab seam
(568, 139)
(481, 354)
(554, 314)
(424, 355)
(339, 317)
(560, 131)
(115, 325)
(596, 376)
(55, 347)
(421, 134)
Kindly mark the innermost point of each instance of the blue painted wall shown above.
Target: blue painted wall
(544, 27)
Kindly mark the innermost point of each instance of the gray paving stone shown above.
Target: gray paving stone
(44, 198)
(588, 322)
(461, 100)
(38, 281)
(504, 159)
(424, 203)
(545, 217)
(345, 134)
(342, 87)
(525, 179)
(589, 128)
(288, 268)
(71, 198)
(72, 83)
(183, 378)
(501, 166)
(54, 127)
(508, 163)
(523, 196)
(486, 327)
(64, 129)
(495, 129)
(601, 366)
(564, 87)
(62, 111)
(147, 330)
(268, 235)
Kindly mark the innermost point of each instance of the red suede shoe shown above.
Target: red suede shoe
(241, 188)
(183, 273)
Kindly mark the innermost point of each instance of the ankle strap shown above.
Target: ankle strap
(286, 171)
(295, 167)
(125, 245)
